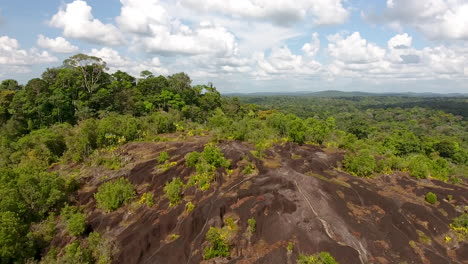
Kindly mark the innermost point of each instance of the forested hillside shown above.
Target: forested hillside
(62, 136)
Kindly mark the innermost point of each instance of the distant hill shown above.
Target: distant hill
(334, 93)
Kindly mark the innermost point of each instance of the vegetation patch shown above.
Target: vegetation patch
(205, 164)
(219, 245)
(423, 238)
(75, 220)
(460, 226)
(319, 258)
(361, 164)
(251, 225)
(147, 198)
(113, 194)
(173, 191)
(248, 169)
(189, 207)
(431, 198)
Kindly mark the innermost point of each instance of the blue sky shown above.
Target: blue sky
(249, 45)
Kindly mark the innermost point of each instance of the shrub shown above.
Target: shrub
(75, 253)
(290, 247)
(173, 191)
(147, 198)
(189, 207)
(163, 157)
(112, 195)
(248, 169)
(192, 158)
(219, 246)
(252, 225)
(460, 226)
(320, 258)
(431, 198)
(361, 164)
(215, 157)
(76, 225)
(100, 247)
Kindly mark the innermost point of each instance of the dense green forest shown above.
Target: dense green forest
(75, 111)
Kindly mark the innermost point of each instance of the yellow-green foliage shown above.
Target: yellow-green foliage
(173, 191)
(290, 246)
(431, 198)
(248, 169)
(205, 163)
(147, 198)
(460, 226)
(219, 246)
(252, 225)
(112, 195)
(320, 258)
(189, 207)
(167, 165)
(163, 157)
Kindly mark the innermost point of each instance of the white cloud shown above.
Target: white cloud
(205, 38)
(11, 54)
(13, 59)
(77, 21)
(282, 63)
(437, 19)
(401, 41)
(116, 62)
(158, 32)
(354, 49)
(311, 49)
(138, 16)
(59, 44)
(281, 12)
(400, 61)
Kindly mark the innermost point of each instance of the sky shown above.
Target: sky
(249, 45)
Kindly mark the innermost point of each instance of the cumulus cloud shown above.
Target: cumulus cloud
(77, 21)
(205, 38)
(354, 49)
(401, 41)
(311, 49)
(282, 12)
(282, 63)
(437, 19)
(13, 59)
(59, 44)
(116, 62)
(12, 54)
(400, 61)
(158, 32)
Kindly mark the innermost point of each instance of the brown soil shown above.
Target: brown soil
(305, 200)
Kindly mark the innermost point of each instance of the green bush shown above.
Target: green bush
(147, 198)
(252, 225)
(163, 157)
(362, 164)
(248, 169)
(320, 258)
(431, 198)
(74, 219)
(215, 157)
(219, 245)
(192, 158)
(12, 238)
(189, 207)
(75, 253)
(112, 195)
(100, 247)
(173, 191)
